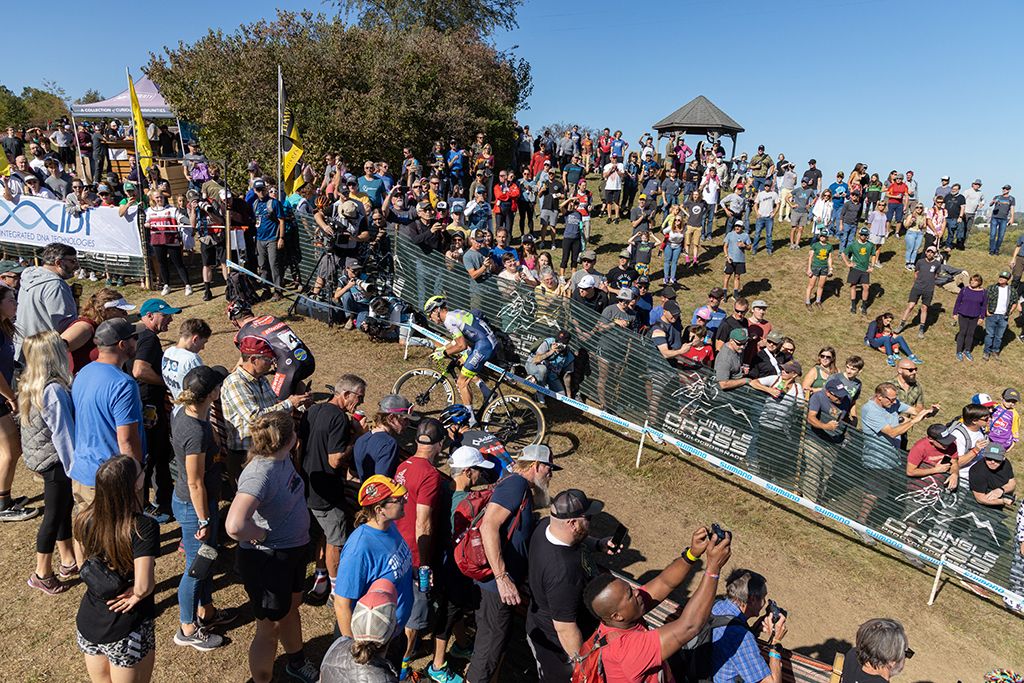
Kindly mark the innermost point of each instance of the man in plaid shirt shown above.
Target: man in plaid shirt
(246, 395)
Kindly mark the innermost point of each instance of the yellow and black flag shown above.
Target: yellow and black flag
(290, 144)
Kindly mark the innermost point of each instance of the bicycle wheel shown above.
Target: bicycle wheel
(429, 391)
(514, 420)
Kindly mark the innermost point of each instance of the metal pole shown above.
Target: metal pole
(227, 226)
(640, 448)
(147, 281)
(277, 132)
(181, 140)
(78, 146)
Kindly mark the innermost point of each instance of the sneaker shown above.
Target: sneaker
(459, 652)
(909, 266)
(443, 675)
(959, 356)
(67, 572)
(321, 588)
(920, 332)
(221, 617)
(350, 324)
(995, 356)
(968, 356)
(406, 671)
(986, 356)
(307, 672)
(1021, 337)
(165, 290)
(891, 360)
(159, 516)
(207, 295)
(201, 639)
(917, 361)
(17, 513)
(188, 290)
(92, 277)
(51, 585)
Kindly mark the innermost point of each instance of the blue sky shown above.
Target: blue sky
(923, 85)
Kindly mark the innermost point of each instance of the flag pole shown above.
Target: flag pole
(147, 282)
(277, 134)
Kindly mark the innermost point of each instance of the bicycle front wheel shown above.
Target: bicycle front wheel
(514, 420)
(429, 391)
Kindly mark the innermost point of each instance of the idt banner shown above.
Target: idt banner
(36, 222)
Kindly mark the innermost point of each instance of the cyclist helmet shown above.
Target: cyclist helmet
(456, 414)
(434, 303)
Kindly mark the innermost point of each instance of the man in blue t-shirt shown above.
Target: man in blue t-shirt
(269, 232)
(372, 185)
(108, 408)
(839, 190)
(512, 500)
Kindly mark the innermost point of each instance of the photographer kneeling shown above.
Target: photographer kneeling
(552, 363)
(734, 652)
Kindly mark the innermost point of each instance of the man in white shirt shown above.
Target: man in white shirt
(184, 355)
(969, 437)
(767, 200)
(1001, 302)
(613, 174)
(975, 200)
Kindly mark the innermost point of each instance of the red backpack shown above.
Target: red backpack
(469, 553)
(590, 668)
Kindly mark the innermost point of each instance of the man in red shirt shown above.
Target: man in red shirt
(424, 523)
(634, 653)
(929, 462)
(896, 195)
(604, 148)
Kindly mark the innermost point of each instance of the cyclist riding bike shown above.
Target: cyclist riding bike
(472, 339)
(295, 361)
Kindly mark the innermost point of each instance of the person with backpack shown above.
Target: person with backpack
(734, 652)
(504, 531)
(623, 646)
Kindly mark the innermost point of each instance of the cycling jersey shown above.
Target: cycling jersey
(479, 337)
(295, 361)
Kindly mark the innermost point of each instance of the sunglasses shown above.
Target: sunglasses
(825, 356)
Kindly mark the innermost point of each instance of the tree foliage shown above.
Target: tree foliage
(45, 104)
(89, 96)
(12, 109)
(485, 16)
(364, 91)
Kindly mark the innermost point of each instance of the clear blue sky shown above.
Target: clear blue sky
(914, 84)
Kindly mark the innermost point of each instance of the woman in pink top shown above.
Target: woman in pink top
(936, 223)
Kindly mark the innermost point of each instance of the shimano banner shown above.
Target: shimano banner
(36, 222)
(859, 482)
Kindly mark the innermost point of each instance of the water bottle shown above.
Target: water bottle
(423, 578)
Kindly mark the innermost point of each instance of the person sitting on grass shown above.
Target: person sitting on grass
(881, 335)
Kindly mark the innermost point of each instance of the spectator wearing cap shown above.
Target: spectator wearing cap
(505, 528)
(896, 195)
(637, 652)
(969, 434)
(859, 257)
(376, 451)
(1003, 207)
(955, 214)
(930, 461)
(375, 550)
(768, 359)
(45, 301)
(247, 395)
(361, 657)
(108, 408)
(157, 316)
(711, 313)
(476, 259)
(10, 273)
(736, 321)
(880, 653)
(665, 294)
(758, 325)
(35, 188)
(350, 292)
(1001, 303)
(328, 432)
(552, 364)
(666, 335)
(269, 233)
(729, 369)
(424, 530)
(478, 211)
(268, 519)
(828, 415)
(560, 568)
(1004, 426)
(588, 293)
(588, 266)
(992, 481)
(195, 502)
(623, 274)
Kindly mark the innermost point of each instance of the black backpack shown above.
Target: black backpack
(692, 664)
(240, 287)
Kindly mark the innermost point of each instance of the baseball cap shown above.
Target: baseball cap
(759, 303)
(671, 307)
(1005, 274)
(112, 331)
(775, 337)
(716, 293)
(1011, 394)
(945, 177)
(977, 181)
(738, 335)
(624, 253)
(537, 453)
(393, 403)
(573, 504)
(668, 292)
(256, 346)
(641, 196)
(129, 185)
(982, 400)
(931, 247)
(626, 294)
(739, 224)
(836, 387)
(480, 189)
(588, 255)
(863, 231)
(157, 306)
(377, 488)
(994, 451)
(703, 313)
(588, 282)
(467, 456)
(430, 431)
(1007, 187)
(121, 303)
(252, 166)
(937, 433)
(259, 184)
(353, 264)
(793, 367)
(812, 161)
(102, 187)
(7, 266)
(203, 379)
(373, 617)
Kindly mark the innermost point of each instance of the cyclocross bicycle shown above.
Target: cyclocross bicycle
(513, 419)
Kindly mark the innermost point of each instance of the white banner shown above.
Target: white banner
(37, 222)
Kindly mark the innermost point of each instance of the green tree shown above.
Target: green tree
(345, 96)
(12, 109)
(485, 16)
(44, 104)
(89, 96)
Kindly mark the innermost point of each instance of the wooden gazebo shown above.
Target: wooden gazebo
(700, 116)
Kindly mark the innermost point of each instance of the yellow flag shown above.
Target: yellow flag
(145, 152)
(5, 167)
(291, 147)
